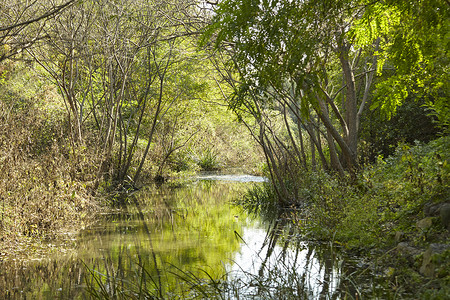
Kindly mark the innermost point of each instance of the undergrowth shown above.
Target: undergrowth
(387, 204)
(45, 190)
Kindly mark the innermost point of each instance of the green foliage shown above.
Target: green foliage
(207, 160)
(260, 200)
(393, 92)
(394, 193)
(269, 50)
(411, 123)
(414, 41)
(388, 197)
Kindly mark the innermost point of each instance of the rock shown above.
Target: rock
(404, 248)
(432, 209)
(428, 267)
(424, 224)
(445, 215)
(399, 235)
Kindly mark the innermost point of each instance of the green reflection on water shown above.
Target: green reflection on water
(190, 228)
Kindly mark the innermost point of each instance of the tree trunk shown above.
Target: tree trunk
(351, 108)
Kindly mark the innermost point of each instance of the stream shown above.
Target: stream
(173, 243)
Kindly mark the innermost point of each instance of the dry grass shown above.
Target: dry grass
(44, 189)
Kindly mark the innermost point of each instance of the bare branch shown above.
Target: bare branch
(48, 14)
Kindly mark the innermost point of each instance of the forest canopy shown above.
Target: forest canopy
(334, 60)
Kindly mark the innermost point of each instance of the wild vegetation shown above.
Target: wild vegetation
(97, 99)
(44, 189)
(346, 101)
(342, 96)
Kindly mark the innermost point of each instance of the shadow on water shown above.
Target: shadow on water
(186, 243)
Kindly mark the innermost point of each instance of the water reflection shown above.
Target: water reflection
(191, 227)
(170, 242)
(267, 269)
(231, 178)
(46, 279)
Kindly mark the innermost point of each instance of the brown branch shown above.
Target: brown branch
(44, 16)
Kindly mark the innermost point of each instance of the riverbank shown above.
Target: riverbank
(388, 269)
(394, 216)
(45, 191)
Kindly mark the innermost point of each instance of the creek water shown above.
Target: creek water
(178, 239)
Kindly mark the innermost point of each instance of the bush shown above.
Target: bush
(387, 197)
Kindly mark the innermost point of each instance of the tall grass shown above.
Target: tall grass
(208, 160)
(274, 282)
(260, 200)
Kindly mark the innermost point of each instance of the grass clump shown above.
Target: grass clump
(208, 160)
(278, 279)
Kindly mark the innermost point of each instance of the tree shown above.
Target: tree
(323, 57)
(22, 22)
(415, 46)
(66, 55)
(316, 62)
(112, 62)
(300, 54)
